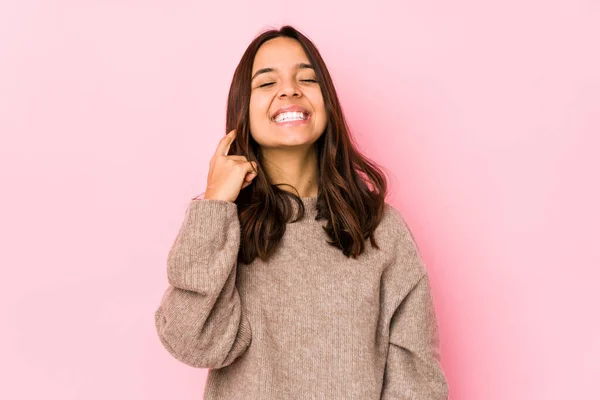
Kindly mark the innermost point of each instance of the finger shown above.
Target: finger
(250, 176)
(225, 143)
(250, 167)
(248, 179)
(237, 157)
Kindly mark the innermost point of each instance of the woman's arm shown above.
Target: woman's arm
(413, 370)
(201, 320)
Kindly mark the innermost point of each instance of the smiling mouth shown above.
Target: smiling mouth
(291, 118)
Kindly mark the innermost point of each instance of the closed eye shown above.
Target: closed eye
(302, 80)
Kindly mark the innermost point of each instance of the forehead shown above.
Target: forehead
(279, 53)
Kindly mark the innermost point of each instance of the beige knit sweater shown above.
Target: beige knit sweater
(308, 324)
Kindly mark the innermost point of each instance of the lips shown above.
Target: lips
(289, 108)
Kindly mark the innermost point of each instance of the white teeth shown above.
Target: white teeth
(290, 116)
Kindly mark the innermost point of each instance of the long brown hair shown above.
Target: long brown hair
(352, 188)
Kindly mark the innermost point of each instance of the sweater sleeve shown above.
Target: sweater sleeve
(413, 370)
(201, 320)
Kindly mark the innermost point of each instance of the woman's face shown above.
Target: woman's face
(289, 81)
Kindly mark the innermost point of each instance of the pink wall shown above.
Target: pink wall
(486, 114)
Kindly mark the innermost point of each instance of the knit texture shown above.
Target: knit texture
(308, 324)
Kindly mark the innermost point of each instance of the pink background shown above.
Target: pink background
(486, 114)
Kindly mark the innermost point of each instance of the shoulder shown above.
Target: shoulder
(395, 221)
(406, 248)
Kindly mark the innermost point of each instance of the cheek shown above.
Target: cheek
(319, 105)
(323, 116)
(258, 109)
(316, 99)
(258, 118)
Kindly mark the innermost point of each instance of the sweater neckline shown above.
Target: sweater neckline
(310, 207)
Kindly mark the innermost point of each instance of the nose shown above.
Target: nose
(289, 88)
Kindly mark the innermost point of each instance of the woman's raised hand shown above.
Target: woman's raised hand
(228, 175)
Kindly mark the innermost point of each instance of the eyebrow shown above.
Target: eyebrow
(269, 69)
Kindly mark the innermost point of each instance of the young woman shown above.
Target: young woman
(293, 278)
